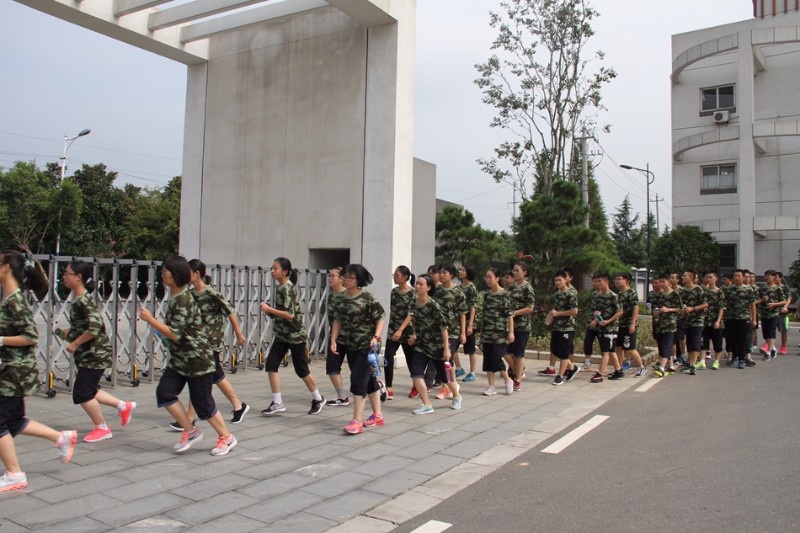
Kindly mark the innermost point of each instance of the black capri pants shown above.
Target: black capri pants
(493, 356)
(665, 342)
(694, 338)
(87, 383)
(334, 361)
(171, 384)
(12, 415)
(712, 336)
(391, 350)
(588, 341)
(362, 382)
(279, 349)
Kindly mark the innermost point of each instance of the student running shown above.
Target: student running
(333, 361)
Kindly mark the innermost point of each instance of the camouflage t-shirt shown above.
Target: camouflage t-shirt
(289, 331)
(85, 318)
(716, 301)
(428, 324)
(215, 309)
(666, 322)
(335, 302)
(399, 305)
(629, 300)
(564, 301)
(190, 354)
(608, 305)
(692, 298)
(522, 296)
(773, 294)
(737, 302)
(358, 317)
(18, 376)
(454, 306)
(496, 311)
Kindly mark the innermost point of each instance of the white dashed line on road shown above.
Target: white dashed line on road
(562, 443)
(433, 526)
(649, 384)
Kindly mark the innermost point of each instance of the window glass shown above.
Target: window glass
(719, 178)
(709, 99)
(725, 97)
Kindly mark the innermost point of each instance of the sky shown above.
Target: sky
(57, 79)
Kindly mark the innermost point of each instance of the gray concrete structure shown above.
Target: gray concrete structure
(299, 126)
(750, 135)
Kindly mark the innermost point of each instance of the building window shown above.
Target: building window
(727, 257)
(716, 99)
(719, 179)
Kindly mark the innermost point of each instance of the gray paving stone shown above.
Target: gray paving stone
(383, 465)
(73, 473)
(338, 483)
(266, 469)
(148, 487)
(327, 468)
(213, 486)
(301, 522)
(435, 464)
(133, 511)
(69, 491)
(154, 524)
(233, 522)
(203, 511)
(276, 485)
(409, 438)
(468, 449)
(346, 505)
(77, 525)
(6, 526)
(398, 482)
(281, 506)
(421, 450)
(372, 451)
(170, 466)
(64, 511)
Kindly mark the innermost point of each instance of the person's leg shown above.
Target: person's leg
(8, 454)
(276, 353)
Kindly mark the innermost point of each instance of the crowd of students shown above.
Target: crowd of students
(431, 317)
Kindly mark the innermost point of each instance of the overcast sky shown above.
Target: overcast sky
(57, 79)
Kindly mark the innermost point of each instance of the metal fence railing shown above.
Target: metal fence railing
(123, 286)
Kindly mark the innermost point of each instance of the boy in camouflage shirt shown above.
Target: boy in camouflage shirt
(562, 325)
(771, 301)
(693, 298)
(628, 322)
(606, 311)
(666, 307)
(714, 325)
(740, 318)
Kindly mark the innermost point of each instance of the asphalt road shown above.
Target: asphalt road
(714, 452)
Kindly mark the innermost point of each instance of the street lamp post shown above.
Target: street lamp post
(67, 143)
(650, 178)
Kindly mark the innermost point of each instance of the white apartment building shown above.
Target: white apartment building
(736, 135)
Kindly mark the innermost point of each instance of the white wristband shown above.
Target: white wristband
(1, 341)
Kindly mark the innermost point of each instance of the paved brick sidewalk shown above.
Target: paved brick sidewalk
(290, 472)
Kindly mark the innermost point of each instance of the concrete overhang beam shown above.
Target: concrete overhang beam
(198, 9)
(126, 7)
(368, 13)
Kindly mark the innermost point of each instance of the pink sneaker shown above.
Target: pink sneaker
(67, 446)
(354, 427)
(126, 414)
(374, 421)
(445, 393)
(783, 350)
(97, 435)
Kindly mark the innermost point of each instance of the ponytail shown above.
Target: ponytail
(84, 270)
(198, 266)
(25, 271)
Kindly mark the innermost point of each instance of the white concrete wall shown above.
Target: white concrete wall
(424, 224)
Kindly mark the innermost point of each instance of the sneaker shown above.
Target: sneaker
(764, 349)
(67, 446)
(224, 445)
(273, 408)
(509, 386)
(389, 393)
(597, 378)
(715, 365)
(640, 373)
(517, 386)
(731, 362)
(374, 421)
(316, 406)
(489, 391)
(338, 402)
(238, 414)
(626, 365)
(681, 359)
(9, 482)
(618, 374)
(174, 426)
(456, 405)
(423, 410)
(587, 364)
(750, 362)
(774, 354)
(413, 393)
(383, 392)
(783, 350)
(354, 427)
(559, 381)
(740, 364)
(692, 371)
(460, 372)
(547, 372)
(701, 364)
(469, 377)
(572, 372)
(188, 439)
(97, 435)
(766, 357)
(444, 393)
(658, 372)
(126, 414)
(670, 371)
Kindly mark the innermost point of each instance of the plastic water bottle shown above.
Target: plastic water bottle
(372, 358)
(450, 372)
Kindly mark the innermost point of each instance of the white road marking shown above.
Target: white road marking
(562, 443)
(433, 526)
(649, 384)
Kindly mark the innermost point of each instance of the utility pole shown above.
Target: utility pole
(514, 203)
(656, 200)
(585, 185)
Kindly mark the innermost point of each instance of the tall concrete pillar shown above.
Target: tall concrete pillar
(745, 107)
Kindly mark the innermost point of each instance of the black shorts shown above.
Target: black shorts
(712, 336)
(561, 343)
(171, 384)
(493, 357)
(87, 383)
(12, 415)
(454, 344)
(334, 361)
(219, 372)
(588, 341)
(517, 348)
(769, 327)
(362, 382)
(279, 349)
(469, 346)
(625, 339)
(680, 331)
(665, 342)
(694, 338)
(782, 320)
(608, 342)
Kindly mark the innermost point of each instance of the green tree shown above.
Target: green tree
(540, 82)
(685, 247)
(460, 239)
(155, 223)
(794, 273)
(627, 237)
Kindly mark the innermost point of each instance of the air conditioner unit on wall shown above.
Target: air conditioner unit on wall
(722, 117)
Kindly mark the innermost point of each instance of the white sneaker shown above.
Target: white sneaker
(489, 391)
(456, 405)
(224, 445)
(587, 365)
(509, 387)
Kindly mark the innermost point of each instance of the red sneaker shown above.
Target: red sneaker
(374, 421)
(126, 414)
(783, 350)
(354, 427)
(413, 393)
(97, 435)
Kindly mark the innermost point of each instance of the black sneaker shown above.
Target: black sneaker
(383, 391)
(174, 426)
(692, 371)
(766, 357)
(338, 402)
(597, 378)
(572, 372)
(238, 414)
(559, 381)
(316, 406)
(750, 362)
(774, 354)
(618, 374)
